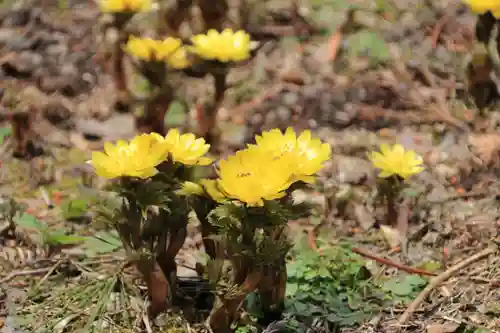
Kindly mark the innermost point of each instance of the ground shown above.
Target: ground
(395, 73)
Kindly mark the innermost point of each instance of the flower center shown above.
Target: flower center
(243, 174)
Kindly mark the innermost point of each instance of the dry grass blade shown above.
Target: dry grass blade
(435, 282)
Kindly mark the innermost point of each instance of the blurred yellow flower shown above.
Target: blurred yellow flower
(137, 158)
(252, 177)
(186, 148)
(482, 6)
(225, 46)
(148, 49)
(396, 161)
(308, 154)
(117, 6)
(179, 59)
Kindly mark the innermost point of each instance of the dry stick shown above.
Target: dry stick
(15, 274)
(438, 28)
(440, 279)
(311, 239)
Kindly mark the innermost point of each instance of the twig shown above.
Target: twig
(438, 28)
(147, 324)
(15, 274)
(440, 279)
(312, 244)
(467, 195)
(46, 198)
(388, 262)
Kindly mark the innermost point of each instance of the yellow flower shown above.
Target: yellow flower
(482, 6)
(308, 154)
(396, 161)
(252, 177)
(179, 59)
(204, 187)
(151, 49)
(186, 148)
(212, 189)
(117, 6)
(224, 47)
(137, 158)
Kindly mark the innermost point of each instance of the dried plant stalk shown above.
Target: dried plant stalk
(225, 314)
(207, 122)
(22, 132)
(157, 283)
(214, 13)
(171, 17)
(272, 291)
(155, 110)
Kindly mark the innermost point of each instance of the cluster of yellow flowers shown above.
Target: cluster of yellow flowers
(264, 171)
(140, 157)
(226, 46)
(483, 6)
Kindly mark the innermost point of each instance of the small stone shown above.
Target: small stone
(271, 118)
(17, 18)
(430, 238)
(6, 35)
(353, 170)
(23, 64)
(56, 49)
(444, 171)
(363, 216)
(290, 98)
(283, 113)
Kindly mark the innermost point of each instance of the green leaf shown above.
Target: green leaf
(142, 85)
(176, 114)
(370, 44)
(415, 280)
(28, 221)
(396, 287)
(5, 132)
(60, 238)
(302, 308)
(291, 289)
(102, 242)
(75, 208)
(482, 330)
(406, 286)
(410, 193)
(353, 319)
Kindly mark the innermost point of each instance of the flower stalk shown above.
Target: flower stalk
(396, 165)
(481, 65)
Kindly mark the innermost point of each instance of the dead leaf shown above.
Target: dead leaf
(391, 235)
(363, 216)
(442, 328)
(486, 147)
(335, 40)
